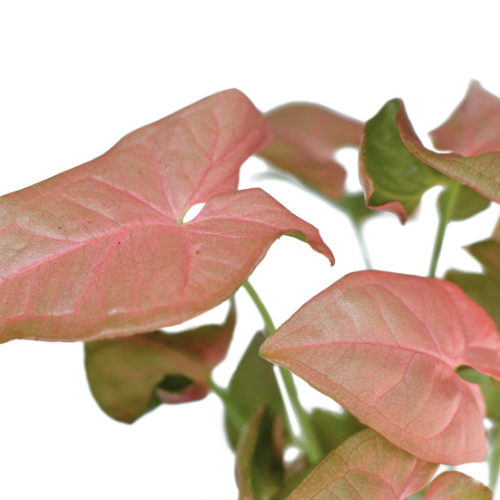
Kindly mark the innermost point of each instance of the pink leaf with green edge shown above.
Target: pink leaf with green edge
(454, 485)
(474, 127)
(306, 138)
(99, 251)
(132, 375)
(385, 346)
(480, 172)
(367, 467)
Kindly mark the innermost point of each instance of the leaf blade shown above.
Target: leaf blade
(454, 485)
(397, 326)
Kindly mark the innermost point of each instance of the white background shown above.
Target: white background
(77, 76)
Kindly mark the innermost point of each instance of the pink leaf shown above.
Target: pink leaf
(480, 172)
(307, 137)
(474, 127)
(366, 466)
(457, 486)
(100, 250)
(385, 346)
(126, 375)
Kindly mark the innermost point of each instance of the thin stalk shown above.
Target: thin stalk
(232, 412)
(494, 456)
(362, 244)
(449, 202)
(309, 439)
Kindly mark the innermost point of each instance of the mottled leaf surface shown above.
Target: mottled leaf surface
(385, 346)
(366, 466)
(100, 250)
(474, 127)
(306, 138)
(481, 172)
(252, 386)
(259, 457)
(393, 179)
(128, 376)
(454, 485)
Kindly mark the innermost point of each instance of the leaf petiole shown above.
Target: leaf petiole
(309, 438)
(449, 201)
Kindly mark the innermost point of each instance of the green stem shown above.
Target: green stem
(494, 456)
(449, 202)
(362, 244)
(232, 412)
(309, 439)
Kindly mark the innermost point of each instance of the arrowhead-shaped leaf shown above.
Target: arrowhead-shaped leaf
(306, 138)
(480, 172)
(366, 466)
(100, 251)
(454, 485)
(334, 428)
(392, 178)
(474, 127)
(252, 386)
(129, 376)
(385, 346)
(259, 457)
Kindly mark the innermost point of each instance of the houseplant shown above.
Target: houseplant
(102, 253)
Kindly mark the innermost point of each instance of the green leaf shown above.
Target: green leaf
(392, 178)
(252, 386)
(469, 203)
(355, 207)
(259, 456)
(334, 428)
(485, 290)
(130, 376)
(487, 252)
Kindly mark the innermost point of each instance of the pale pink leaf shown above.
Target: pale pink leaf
(306, 138)
(480, 172)
(367, 467)
(386, 346)
(474, 127)
(454, 485)
(100, 250)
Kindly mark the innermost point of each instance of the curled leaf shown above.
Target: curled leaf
(100, 250)
(392, 178)
(474, 127)
(386, 346)
(481, 172)
(306, 138)
(129, 376)
(366, 466)
(454, 485)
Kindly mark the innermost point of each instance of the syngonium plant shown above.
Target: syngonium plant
(101, 254)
